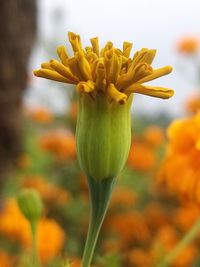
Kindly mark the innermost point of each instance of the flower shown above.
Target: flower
(50, 193)
(154, 135)
(6, 259)
(39, 114)
(105, 80)
(60, 143)
(193, 104)
(14, 226)
(180, 170)
(141, 157)
(188, 45)
(109, 71)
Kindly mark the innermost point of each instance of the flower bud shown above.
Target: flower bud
(30, 204)
(103, 135)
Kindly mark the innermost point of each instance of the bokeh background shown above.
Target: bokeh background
(149, 212)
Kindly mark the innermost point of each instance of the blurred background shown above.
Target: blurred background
(37, 131)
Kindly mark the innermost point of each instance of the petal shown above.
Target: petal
(154, 91)
(51, 75)
(75, 41)
(156, 74)
(95, 45)
(63, 70)
(85, 87)
(127, 48)
(84, 66)
(116, 95)
(62, 53)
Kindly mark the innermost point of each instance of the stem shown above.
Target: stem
(35, 257)
(100, 193)
(186, 240)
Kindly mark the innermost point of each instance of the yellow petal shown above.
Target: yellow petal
(74, 67)
(154, 91)
(84, 66)
(107, 47)
(144, 56)
(127, 48)
(108, 62)
(95, 45)
(100, 76)
(46, 65)
(85, 87)
(75, 41)
(125, 80)
(116, 95)
(51, 75)
(156, 74)
(62, 53)
(63, 70)
(142, 70)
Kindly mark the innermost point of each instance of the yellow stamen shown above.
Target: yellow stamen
(156, 74)
(62, 53)
(85, 87)
(127, 48)
(116, 95)
(51, 75)
(75, 41)
(63, 70)
(95, 45)
(84, 66)
(154, 91)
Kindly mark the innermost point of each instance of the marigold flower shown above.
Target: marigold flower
(6, 260)
(188, 45)
(105, 80)
(180, 170)
(60, 143)
(193, 104)
(51, 239)
(109, 70)
(154, 135)
(39, 114)
(141, 157)
(14, 226)
(48, 191)
(139, 258)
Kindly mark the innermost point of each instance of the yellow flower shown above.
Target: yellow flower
(110, 70)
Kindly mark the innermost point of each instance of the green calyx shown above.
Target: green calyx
(103, 135)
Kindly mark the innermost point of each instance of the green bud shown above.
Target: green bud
(103, 135)
(30, 204)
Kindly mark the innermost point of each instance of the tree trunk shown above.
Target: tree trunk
(17, 35)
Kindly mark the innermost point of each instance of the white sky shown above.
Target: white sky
(147, 23)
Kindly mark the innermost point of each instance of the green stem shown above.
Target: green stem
(100, 193)
(35, 257)
(186, 240)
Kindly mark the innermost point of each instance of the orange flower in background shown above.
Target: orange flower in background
(15, 227)
(164, 242)
(193, 104)
(13, 224)
(48, 191)
(60, 143)
(123, 197)
(139, 258)
(154, 135)
(39, 114)
(50, 239)
(73, 110)
(24, 161)
(180, 170)
(141, 157)
(6, 260)
(188, 45)
(185, 216)
(129, 227)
